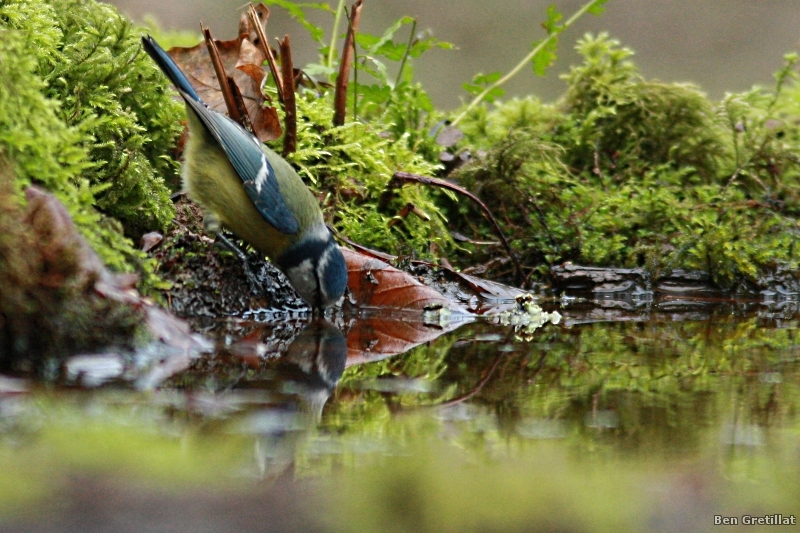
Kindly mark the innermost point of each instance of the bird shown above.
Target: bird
(244, 186)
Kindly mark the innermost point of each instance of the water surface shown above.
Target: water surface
(651, 419)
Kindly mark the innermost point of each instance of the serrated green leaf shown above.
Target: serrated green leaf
(388, 34)
(494, 94)
(545, 57)
(486, 79)
(471, 88)
(373, 94)
(551, 25)
(423, 45)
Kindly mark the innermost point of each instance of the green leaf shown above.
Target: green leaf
(597, 7)
(486, 79)
(372, 94)
(297, 12)
(423, 45)
(319, 70)
(388, 34)
(479, 84)
(377, 70)
(545, 57)
(551, 25)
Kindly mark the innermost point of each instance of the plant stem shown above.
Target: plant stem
(514, 71)
(336, 20)
(289, 104)
(262, 40)
(405, 54)
(399, 178)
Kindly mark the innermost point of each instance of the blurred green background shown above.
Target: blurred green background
(721, 45)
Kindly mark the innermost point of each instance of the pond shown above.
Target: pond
(673, 415)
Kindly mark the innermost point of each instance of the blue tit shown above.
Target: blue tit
(256, 194)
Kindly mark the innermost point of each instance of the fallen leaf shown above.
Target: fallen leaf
(243, 61)
(378, 285)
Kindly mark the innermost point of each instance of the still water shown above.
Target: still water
(667, 418)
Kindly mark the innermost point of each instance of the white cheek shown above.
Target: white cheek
(322, 265)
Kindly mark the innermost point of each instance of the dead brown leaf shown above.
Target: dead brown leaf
(378, 285)
(243, 61)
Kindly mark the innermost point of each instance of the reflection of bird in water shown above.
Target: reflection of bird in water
(307, 375)
(313, 365)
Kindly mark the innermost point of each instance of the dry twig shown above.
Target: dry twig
(225, 82)
(262, 41)
(289, 104)
(340, 96)
(401, 178)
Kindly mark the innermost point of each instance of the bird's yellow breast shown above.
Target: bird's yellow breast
(210, 180)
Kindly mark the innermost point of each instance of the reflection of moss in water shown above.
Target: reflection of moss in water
(602, 427)
(433, 486)
(56, 439)
(665, 368)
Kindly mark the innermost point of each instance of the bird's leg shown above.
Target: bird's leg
(212, 225)
(255, 285)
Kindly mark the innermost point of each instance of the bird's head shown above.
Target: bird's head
(316, 267)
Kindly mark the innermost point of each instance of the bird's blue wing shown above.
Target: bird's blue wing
(251, 164)
(242, 148)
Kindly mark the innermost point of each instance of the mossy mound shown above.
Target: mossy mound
(85, 114)
(351, 165)
(635, 173)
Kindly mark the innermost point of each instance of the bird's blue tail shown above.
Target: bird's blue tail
(168, 66)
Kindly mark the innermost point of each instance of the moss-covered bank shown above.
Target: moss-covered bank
(85, 114)
(629, 172)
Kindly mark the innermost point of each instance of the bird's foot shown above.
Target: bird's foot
(255, 285)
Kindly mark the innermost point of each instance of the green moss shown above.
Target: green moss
(91, 62)
(623, 171)
(84, 113)
(351, 166)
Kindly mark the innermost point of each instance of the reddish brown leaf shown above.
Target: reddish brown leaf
(250, 60)
(375, 284)
(242, 61)
(266, 124)
(378, 337)
(246, 27)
